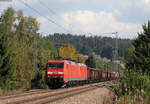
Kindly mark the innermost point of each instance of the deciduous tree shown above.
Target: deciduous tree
(68, 52)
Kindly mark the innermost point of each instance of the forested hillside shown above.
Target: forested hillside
(103, 46)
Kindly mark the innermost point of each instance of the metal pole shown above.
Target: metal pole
(115, 60)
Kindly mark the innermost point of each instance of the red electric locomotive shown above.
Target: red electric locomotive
(60, 72)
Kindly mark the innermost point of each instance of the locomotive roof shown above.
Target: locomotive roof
(82, 64)
(70, 62)
(56, 60)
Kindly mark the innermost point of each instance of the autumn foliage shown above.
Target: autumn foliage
(68, 52)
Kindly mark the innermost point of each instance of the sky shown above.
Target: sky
(88, 17)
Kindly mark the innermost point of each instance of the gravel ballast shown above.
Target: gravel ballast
(97, 96)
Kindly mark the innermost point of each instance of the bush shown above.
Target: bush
(132, 100)
(134, 84)
(38, 81)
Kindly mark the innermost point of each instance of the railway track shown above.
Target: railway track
(48, 96)
(24, 91)
(23, 94)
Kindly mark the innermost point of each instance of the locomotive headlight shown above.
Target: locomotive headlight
(60, 72)
(49, 72)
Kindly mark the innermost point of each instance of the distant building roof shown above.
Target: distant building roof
(106, 59)
(85, 56)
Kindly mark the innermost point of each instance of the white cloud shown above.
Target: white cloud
(117, 13)
(43, 24)
(98, 23)
(143, 5)
(48, 27)
(147, 1)
(85, 20)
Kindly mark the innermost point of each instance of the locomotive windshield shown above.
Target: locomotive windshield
(56, 65)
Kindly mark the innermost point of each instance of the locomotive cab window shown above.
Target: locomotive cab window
(56, 65)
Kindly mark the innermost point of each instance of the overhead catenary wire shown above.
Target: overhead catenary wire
(50, 10)
(53, 12)
(50, 20)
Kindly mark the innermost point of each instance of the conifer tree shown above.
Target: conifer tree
(91, 61)
(139, 52)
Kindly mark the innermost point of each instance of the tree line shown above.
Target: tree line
(103, 46)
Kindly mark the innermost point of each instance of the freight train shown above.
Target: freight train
(69, 73)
